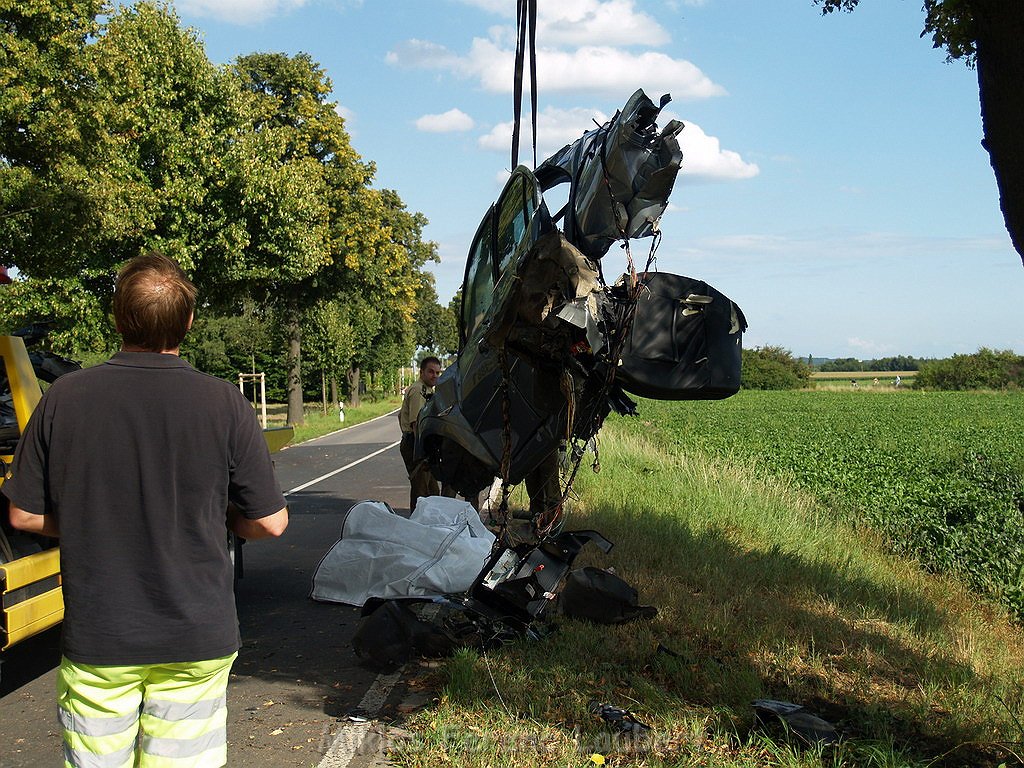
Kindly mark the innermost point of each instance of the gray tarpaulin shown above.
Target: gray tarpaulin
(440, 549)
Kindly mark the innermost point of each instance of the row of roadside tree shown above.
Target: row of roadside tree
(774, 367)
(118, 135)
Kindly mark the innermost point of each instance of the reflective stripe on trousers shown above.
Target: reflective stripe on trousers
(146, 715)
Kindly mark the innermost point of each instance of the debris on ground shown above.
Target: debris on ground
(808, 726)
(621, 720)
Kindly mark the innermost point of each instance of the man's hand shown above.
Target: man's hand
(261, 528)
(45, 525)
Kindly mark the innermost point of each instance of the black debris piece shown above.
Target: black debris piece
(603, 597)
(621, 720)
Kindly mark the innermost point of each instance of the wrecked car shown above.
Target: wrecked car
(548, 347)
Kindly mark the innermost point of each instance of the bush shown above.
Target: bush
(986, 369)
(773, 368)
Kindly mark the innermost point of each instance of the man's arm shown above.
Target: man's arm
(21, 520)
(260, 528)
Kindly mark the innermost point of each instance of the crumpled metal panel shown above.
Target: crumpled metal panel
(626, 156)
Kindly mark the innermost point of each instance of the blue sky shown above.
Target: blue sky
(833, 180)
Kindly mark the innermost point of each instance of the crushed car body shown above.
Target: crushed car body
(547, 347)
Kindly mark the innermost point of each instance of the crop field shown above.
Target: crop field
(939, 474)
(732, 519)
(877, 380)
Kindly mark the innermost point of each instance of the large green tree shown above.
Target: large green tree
(773, 367)
(435, 330)
(329, 345)
(118, 137)
(281, 193)
(364, 244)
(988, 35)
(47, 87)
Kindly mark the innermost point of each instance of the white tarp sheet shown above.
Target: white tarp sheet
(440, 549)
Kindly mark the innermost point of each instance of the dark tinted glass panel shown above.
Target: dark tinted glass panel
(479, 286)
(515, 209)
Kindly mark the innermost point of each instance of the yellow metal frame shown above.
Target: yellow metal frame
(31, 615)
(24, 385)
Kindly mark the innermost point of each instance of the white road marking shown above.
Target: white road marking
(378, 692)
(345, 746)
(348, 742)
(304, 486)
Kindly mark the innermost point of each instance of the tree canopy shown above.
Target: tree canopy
(120, 136)
(985, 369)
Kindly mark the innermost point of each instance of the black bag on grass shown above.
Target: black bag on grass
(602, 597)
(390, 633)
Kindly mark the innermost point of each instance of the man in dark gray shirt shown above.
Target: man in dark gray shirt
(140, 465)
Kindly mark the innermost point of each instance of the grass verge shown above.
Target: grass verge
(761, 594)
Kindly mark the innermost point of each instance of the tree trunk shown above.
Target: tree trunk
(999, 26)
(293, 331)
(334, 389)
(323, 389)
(353, 386)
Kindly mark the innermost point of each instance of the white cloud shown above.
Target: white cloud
(497, 7)
(555, 129)
(344, 112)
(446, 122)
(613, 70)
(238, 11)
(423, 54)
(614, 22)
(873, 347)
(577, 22)
(826, 248)
(590, 68)
(704, 158)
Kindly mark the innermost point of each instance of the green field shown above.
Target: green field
(762, 528)
(870, 380)
(939, 474)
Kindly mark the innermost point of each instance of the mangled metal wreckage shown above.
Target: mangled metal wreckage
(548, 347)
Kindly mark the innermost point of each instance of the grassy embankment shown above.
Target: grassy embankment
(763, 591)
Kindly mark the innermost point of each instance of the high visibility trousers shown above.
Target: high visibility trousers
(145, 715)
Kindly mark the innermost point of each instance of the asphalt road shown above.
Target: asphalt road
(296, 678)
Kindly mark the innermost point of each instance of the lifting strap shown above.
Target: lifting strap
(526, 34)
